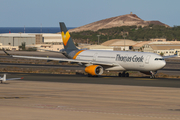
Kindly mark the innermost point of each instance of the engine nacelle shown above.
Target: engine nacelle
(94, 69)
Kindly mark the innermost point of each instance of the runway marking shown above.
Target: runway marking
(145, 79)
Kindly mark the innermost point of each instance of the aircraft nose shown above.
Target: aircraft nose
(163, 63)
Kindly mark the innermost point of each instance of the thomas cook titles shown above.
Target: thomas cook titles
(134, 58)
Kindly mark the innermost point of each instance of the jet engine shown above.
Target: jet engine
(94, 70)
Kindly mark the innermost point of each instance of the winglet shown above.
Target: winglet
(7, 53)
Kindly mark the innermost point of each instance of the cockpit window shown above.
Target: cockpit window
(159, 59)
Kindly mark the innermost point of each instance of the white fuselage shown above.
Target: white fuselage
(125, 60)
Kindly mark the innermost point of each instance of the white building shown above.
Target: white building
(165, 49)
(52, 38)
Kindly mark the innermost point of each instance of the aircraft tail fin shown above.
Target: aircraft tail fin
(4, 77)
(171, 56)
(176, 53)
(67, 41)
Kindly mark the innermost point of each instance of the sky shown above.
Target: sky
(75, 13)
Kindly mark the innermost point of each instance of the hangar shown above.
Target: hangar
(16, 39)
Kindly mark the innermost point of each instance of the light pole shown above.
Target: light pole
(124, 41)
(98, 38)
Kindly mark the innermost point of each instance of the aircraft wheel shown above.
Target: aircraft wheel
(127, 75)
(123, 74)
(89, 75)
(153, 73)
(152, 76)
(120, 75)
(95, 76)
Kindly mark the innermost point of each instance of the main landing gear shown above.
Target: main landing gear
(89, 75)
(153, 73)
(123, 74)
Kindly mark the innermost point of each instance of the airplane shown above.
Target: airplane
(96, 61)
(3, 79)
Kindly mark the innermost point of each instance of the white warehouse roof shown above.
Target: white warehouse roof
(52, 37)
(18, 35)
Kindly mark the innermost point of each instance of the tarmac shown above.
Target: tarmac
(78, 97)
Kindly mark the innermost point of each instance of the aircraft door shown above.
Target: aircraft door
(147, 59)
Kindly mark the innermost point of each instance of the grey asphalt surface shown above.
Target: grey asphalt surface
(66, 96)
(109, 80)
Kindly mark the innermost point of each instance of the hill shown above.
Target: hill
(123, 20)
(128, 32)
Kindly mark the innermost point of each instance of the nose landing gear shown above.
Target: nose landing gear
(153, 73)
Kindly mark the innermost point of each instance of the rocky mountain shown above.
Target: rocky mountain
(123, 20)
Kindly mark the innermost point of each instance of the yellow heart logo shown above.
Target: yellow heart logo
(65, 37)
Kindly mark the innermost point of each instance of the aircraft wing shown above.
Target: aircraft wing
(68, 60)
(14, 78)
(65, 60)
